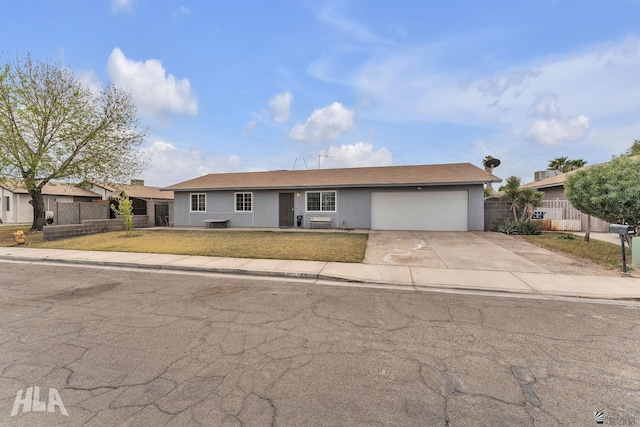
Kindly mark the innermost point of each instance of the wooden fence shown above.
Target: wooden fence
(558, 215)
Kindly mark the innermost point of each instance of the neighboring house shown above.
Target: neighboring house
(15, 207)
(448, 197)
(146, 200)
(557, 208)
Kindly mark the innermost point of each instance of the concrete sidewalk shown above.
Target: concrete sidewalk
(391, 276)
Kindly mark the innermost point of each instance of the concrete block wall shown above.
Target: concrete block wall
(76, 212)
(90, 226)
(496, 210)
(66, 213)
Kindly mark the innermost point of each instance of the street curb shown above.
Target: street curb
(298, 275)
(160, 267)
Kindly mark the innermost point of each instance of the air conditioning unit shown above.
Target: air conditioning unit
(539, 175)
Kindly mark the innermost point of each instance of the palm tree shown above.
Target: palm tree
(489, 188)
(557, 164)
(573, 165)
(512, 192)
(563, 164)
(530, 198)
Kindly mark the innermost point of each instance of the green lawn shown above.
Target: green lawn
(340, 247)
(606, 254)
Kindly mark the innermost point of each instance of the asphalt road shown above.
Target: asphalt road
(148, 349)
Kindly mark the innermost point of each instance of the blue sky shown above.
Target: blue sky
(261, 85)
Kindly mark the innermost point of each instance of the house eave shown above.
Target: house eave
(331, 186)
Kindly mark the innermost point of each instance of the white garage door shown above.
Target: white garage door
(420, 210)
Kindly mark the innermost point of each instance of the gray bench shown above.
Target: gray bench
(323, 220)
(215, 223)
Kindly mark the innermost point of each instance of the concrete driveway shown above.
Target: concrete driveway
(449, 250)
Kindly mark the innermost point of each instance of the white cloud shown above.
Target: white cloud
(121, 6)
(248, 129)
(555, 131)
(497, 86)
(280, 107)
(154, 91)
(91, 81)
(182, 11)
(170, 164)
(411, 82)
(545, 106)
(324, 124)
(353, 155)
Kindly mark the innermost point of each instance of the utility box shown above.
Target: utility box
(635, 251)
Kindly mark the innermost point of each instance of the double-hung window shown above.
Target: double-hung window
(244, 202)
(198, 202)
(321, 201)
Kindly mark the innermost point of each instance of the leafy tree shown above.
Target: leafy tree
(125, 210)
(53, 127)
(563, 164)
(634, 150)
(610, 191)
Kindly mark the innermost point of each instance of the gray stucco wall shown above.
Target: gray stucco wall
(353, 207)
(553, 193)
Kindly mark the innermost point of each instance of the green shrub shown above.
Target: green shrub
(508, 226)
(530, 227)
(525, 227)
(567, 236)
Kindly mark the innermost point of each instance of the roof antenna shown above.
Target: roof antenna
(321, 155)
(305, 163)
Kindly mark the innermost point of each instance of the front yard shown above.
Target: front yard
(603, 253)
(308, 246)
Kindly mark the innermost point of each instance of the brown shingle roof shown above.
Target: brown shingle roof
(554, 181)
(142, 191)
(139, 191)
(50, 189)
(455, 173)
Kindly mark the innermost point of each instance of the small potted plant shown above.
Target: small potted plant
(48, 218)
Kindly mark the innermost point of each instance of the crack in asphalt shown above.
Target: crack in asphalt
(194, 350)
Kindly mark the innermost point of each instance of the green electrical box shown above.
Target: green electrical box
(635, 251)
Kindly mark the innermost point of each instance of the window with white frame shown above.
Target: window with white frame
(8, 203)
(321, 201)
(243, 202)
(198, 202)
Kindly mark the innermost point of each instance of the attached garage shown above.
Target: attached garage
(420, 210)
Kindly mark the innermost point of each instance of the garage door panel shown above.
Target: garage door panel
(435, 210)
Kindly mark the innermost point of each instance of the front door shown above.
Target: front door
(286, 210)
